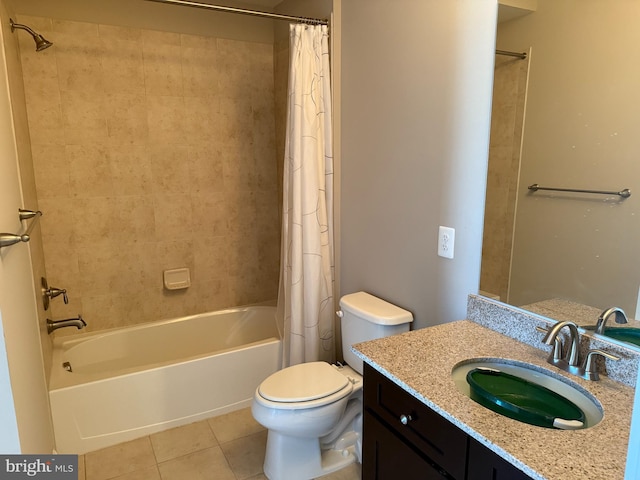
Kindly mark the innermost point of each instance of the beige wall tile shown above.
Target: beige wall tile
(130, 170)
(44, 111)
(78, 58)
(83, 116)
(199, 67)
(173, 215)
(156, 37)
(170, 168)
(122, 64)
(205, 168)
(153, 150)
(166, 117)
(126, 116)
(58, 222)
(210, 213)
(162, 69)
(89, 170)
(202, 120)
(51, 169)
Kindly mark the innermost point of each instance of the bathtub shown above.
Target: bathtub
(112, 386)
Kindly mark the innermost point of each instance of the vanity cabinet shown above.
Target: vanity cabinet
(403, 438)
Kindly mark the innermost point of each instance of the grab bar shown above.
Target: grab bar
(622, 193)
(8, 239)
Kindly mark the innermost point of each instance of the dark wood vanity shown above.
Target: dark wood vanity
(404, 438)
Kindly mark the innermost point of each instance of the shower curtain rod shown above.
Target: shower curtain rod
(242, 11)
(522, 55)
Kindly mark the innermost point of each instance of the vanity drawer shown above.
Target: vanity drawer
(444, 443)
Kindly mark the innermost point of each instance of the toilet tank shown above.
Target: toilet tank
(365, 317)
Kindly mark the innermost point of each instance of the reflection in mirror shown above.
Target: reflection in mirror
(566, 117)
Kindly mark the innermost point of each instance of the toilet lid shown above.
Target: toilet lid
(302, 383)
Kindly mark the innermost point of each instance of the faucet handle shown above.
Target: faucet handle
(49, 293)
(590, 368)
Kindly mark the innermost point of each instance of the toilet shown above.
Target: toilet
(313, 411)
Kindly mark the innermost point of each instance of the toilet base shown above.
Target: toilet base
(295, 458)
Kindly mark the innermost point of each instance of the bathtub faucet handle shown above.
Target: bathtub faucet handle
(49, 293)
(53, 292)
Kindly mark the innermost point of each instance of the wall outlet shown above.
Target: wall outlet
(446, 240)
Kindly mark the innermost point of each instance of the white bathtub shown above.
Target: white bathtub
(130, 382)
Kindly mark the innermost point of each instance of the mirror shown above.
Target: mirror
(568, 118)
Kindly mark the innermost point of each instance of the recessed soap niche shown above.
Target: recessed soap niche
(177, 278)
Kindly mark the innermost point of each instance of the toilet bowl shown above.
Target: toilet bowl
(313, 411)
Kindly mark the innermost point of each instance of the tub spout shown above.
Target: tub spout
(53, 325)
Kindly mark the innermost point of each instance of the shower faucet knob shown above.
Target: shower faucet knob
(53, 292)
(49, 293)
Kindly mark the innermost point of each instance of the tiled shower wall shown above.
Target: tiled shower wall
(152, 150)
(507, 121)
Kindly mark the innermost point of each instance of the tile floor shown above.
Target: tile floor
(227, 447)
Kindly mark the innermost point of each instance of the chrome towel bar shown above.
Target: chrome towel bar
(622, 193)
(8, 239)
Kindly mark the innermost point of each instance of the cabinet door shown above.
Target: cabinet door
(486, 465)
(387, 457)
(430, 433)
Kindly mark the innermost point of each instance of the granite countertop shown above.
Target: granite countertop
(421, 362)
(583, 315)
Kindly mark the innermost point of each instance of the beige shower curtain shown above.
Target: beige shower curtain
(305, 302)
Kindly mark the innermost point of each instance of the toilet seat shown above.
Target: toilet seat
(306, 385)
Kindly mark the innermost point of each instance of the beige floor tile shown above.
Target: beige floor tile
(259, 477)
(123, 458)
(234, 425)
(149, 473)
(246, 454)
(351, 472)
(181, 441)
(206, 464)
(81, 469)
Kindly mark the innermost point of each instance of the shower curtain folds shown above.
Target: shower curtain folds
(305, 300)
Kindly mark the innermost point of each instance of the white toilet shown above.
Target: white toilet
(313, 411)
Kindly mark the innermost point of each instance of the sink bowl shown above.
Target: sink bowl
(624, 334)
(527, 393)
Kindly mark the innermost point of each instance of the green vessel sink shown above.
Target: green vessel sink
(624, 334)
(527, 393)
(522, 400)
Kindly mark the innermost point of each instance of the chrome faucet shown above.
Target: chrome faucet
(570, 360)
(621, 318)
(69, 322)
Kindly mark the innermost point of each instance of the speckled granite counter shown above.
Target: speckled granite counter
(421, 363)
(582, 315)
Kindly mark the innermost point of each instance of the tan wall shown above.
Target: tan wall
(152, 150)
(580, 132)
(507, 119)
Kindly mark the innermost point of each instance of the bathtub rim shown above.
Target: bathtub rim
(59, 378)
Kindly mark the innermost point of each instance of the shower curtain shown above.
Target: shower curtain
(305, 300)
